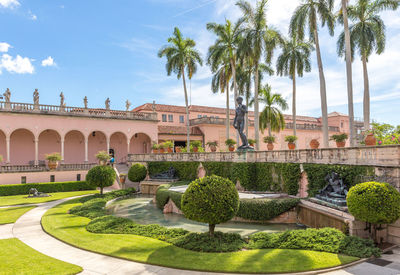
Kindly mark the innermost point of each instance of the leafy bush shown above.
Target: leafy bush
(264, 209)
(163, 194)
(195, 143)
(103, 156)
(269, 139)
(211, 200)
(184, 170)
(137, 172)
(203, 242)
(339, 137)
(168, 144)
(49, 187)
(290, 139)
(101, 176)
(230, 142)
(53, 157)
(324, 239)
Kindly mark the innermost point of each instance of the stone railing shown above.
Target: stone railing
(41, 168)
(307, 126)
(378, 156)
(212, 120)
(15, 107)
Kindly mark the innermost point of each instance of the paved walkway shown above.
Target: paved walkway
(28, 229)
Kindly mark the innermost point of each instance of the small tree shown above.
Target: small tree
(101, 176)
(137, 172)
(211, 200)
(374, 202)
(103, 157)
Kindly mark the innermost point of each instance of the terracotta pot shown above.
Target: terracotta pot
(195, 149)
(213, 148)
(155, 151)
(340, 144)
(370, 140)
(162, 151)
(270, 146)
(178, 149)
(251, 144)
(291, 145)
(231, 148)
(314, 144)
(170, 150)
(53, 165)
(122, 179)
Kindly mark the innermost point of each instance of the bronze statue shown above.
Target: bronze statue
(335, 191)
(239, 123)
(169, 174)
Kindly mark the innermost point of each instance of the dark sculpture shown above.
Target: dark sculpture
(239, 123)
(34, 193)
(335, 192)
(169, 174)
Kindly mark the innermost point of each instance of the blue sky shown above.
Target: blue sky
(107, 48)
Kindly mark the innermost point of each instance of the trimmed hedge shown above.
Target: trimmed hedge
(264, 209)
(48, 187)
(164, 194)
(137, 172)
(185, 170)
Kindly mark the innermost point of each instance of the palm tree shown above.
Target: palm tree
(259, 39)
(367, 34)
(222, 69)
(181, 54)
(305, 16)
(271, 117)
(294, 60)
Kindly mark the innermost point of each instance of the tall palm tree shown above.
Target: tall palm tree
(258, 40)
(367, 34)
(307, 16)
(181, 54)
(271, 117)
(294, 60)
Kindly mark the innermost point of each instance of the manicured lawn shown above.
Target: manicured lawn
(18, 258)
(22, 199)
(11, 214)
(71, 229)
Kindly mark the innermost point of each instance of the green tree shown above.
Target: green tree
(367, 34)
(307, 16)
(294, 60)
(259, 40)
(181, 55)
(101, 176)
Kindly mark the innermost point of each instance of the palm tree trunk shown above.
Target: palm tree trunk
(294, 104)
(322, 89)
(235, 92)
(187, 111)
(269, 129)
(256, 115)
(228, 113)
(366, 105)
(247, 104)
(349, 72)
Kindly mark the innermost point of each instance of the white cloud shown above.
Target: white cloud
(4, 47)
(48, 62)
(32, 16)
(9, 3)
(19, 65)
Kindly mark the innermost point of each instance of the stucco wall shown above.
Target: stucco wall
(36, 177)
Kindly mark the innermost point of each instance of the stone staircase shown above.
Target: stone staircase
(123, 168)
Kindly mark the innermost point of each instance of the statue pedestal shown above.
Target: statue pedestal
(242, 153)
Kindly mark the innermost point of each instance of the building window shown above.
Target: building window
(164, 118)
(216, 117)
(198, 116)
(52, 178)
(341, 124)
(181, 119)
(170, 118)
(23, 179)
(78, 177)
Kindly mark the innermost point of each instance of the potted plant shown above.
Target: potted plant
(169, 145)
(178, 149)
(370, 139)
(122, 178)
(291, 142)
(103, 157)
(161, 149)
(212, 145)
(314, 144)
(155, 148)
(53, 160)
(1, 158)
(196, 144)
(251, 142)
(269, 140)
(340, 139)
(231, 144)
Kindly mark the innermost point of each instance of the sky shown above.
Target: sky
(105, 48)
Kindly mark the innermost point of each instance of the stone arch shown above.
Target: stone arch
(97, 141)
(22, 147)
(74, 147)
(140, 143)
(49, 142)
(3, 146)
(118, 142)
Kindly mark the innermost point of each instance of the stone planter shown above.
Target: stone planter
(213, 148)
(291, 145)
(370, 140)
(270, 146)
(195, 149)
(162, 151)
(340, 144)
(314, 144)
(155, 151)
(52, 165)
(231, 148)
(102, 162)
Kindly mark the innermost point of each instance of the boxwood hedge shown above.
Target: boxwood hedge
(264, 209)
(48, 187)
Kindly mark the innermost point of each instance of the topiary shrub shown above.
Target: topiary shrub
(137, 172)
(101, 176)
(264, 209)
(374, 202)
(211, 200)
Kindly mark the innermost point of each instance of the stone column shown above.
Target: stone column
(36, 150)
(8, 139)
(62, 149)
(108, 144)
(86, 149)
(128, 143)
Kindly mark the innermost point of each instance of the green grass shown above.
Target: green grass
(71, 229)
(22, 199)
(11, 214)
(18, 258)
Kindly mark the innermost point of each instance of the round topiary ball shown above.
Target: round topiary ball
(374, 202)
(101, 176)
(137, 172)
(211, 200)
